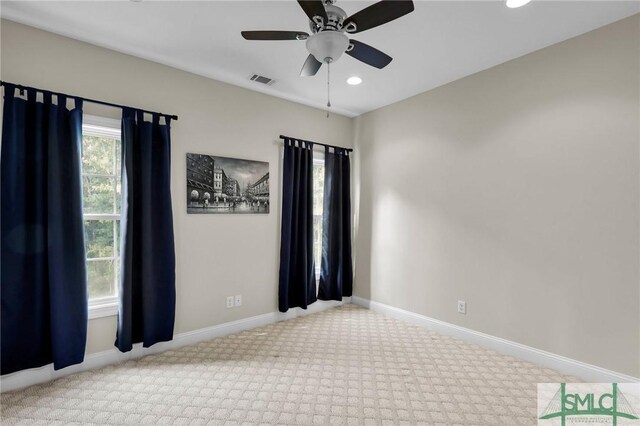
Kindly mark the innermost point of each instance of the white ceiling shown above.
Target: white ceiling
(438, 43)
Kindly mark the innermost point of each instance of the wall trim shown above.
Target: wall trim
(584, 371)
(24, 378)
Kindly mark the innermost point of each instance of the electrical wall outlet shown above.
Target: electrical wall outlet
(238, 300)
(462, 307)
(230, 302)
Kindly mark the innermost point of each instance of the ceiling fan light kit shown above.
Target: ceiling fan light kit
(327, 46)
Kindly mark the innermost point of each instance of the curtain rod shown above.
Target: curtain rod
(317, 143)
(93, 101)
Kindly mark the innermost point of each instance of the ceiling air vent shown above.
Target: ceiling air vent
(261, 79)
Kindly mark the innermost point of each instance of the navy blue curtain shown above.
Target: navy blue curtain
(44, 277)
(336, 269)
(147, 288)
(297, 286)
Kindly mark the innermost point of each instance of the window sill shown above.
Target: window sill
(103, 310)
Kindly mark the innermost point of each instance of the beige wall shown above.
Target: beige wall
(216, 256)
(516, 189)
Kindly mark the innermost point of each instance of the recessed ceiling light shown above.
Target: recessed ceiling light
(355, 80)
(516, 3)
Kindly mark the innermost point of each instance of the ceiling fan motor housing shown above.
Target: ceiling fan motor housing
(335, 18)
(327, 46)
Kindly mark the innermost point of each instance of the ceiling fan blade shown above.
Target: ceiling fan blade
(369, 55)
(377, 14)
(310, 67)
(313, 8)
(274, 35)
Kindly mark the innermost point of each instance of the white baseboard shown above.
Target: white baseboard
(22, 379)
(584, 371)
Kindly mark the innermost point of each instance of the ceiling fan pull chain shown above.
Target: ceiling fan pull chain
(328, 87)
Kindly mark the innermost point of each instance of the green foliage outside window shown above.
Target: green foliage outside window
(101, 278)
(100, 238)
(101, 196)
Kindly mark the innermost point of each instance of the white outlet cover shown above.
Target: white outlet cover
(238, 300)
(230, 302)
(462, 307)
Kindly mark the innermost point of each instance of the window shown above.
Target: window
(101, 210)
(318, 196)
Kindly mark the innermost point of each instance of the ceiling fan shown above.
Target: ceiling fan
(329, 23)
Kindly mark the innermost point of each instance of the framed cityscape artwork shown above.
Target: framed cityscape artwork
(222, 185)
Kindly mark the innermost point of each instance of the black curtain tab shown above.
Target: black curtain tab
(44, 276)
(336, 269)
(147, 283)
(297, 283)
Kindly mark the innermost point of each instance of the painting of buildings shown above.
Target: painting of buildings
(226, 185)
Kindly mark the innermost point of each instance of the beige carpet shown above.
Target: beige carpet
(347, 365)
